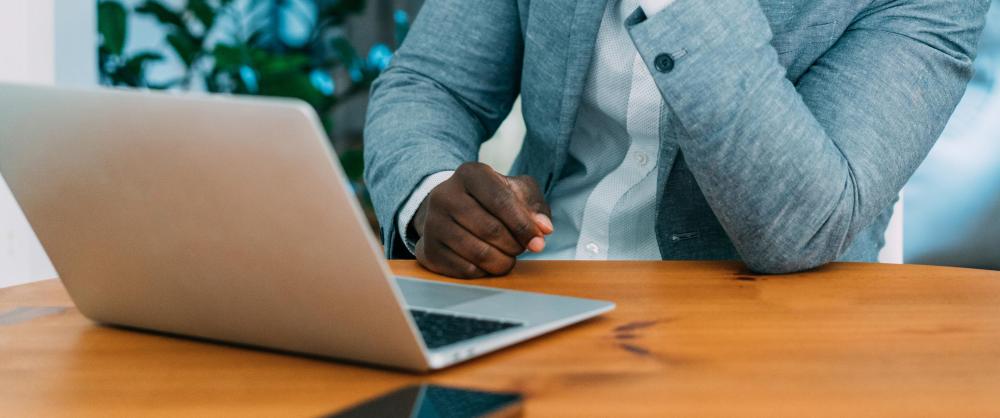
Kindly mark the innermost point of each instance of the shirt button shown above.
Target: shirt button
(664, 63)
(641, 158)
(593, 248)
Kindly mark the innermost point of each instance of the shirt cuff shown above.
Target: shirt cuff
(652, 7)
(413, 203)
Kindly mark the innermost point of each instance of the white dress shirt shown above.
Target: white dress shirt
(603, 204)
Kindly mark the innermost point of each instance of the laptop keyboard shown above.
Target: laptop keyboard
(439, 330)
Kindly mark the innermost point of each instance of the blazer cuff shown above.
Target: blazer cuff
(413, 203)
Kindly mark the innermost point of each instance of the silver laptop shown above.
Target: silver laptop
(230, 219)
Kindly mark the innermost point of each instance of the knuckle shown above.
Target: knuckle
(503, 266)
(528, 182)
(470, 271)
(481, 254)
(504, 202)
(523, 229)
(469, 169)
(493, 231)
(445, 235)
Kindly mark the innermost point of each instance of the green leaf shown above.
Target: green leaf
(138, 61)
(279, 64)
(297, 85)
(228, 57)
(203, 12)
(132, 72)
(344, 51)
(163, 14)
(338, 10)
(134, 69)
(353, 162)
(112, 24)
(256, 37)
(186, 47)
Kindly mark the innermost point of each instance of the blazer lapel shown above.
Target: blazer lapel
(583, 36)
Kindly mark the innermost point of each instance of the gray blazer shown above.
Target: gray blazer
(791, 124)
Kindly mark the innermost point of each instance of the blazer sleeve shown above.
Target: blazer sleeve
(448, 88)
(794, 172)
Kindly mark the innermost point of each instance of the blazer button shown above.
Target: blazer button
(664, 63)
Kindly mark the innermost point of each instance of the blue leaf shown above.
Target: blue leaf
(400, 17)
(322, 81)
(249, 78)
(379, 56)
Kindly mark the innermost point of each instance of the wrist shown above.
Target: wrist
(415, 229)
(405, 220)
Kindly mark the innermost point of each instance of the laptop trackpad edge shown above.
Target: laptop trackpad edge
(428, 294)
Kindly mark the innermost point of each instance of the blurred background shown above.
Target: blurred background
(327, 52)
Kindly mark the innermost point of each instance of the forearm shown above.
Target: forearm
(441, 97)
(793, 173)
(407, 139)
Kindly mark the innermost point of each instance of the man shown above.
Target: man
(772, 131)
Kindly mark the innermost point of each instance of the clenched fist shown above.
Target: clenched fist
(477, 222)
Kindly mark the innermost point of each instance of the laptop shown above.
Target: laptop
(230, 219)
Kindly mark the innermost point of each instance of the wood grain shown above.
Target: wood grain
(688, 338)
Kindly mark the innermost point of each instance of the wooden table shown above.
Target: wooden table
(688, 338)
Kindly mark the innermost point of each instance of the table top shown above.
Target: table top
(688, 338)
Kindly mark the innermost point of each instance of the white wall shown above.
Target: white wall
(41, 42)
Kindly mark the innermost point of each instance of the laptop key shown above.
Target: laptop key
(439, 329)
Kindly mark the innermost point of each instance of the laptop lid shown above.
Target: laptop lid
(217, 217)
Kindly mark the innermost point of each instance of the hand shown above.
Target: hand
(477, 222)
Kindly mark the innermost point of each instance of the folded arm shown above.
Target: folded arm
(794, 172)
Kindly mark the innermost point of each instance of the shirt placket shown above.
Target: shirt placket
(642, 124)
